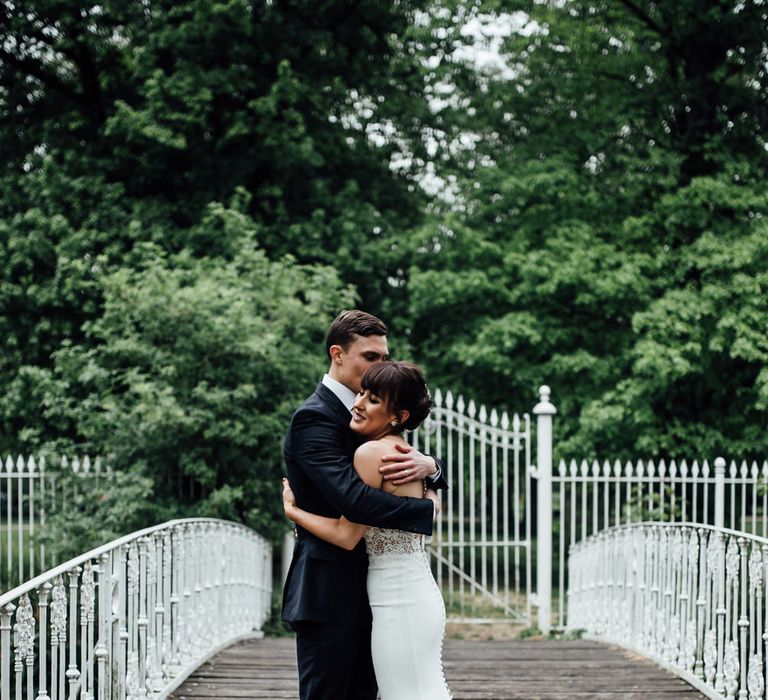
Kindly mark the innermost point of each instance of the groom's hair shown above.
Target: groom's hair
(350, 324)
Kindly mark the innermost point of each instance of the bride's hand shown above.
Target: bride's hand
(289, 500)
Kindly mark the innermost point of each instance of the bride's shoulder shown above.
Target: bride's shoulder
(374, 449)
(368, 460)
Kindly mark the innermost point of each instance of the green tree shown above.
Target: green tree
(191, 374)
(120, 124)
(601, 227)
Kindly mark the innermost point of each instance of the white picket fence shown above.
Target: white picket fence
(688, 596)
(133, 618)
(30, 491)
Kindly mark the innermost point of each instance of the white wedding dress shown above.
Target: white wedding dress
(408, 617)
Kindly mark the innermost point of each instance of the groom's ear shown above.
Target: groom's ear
(335, 351)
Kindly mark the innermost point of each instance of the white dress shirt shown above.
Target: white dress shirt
(342, 393)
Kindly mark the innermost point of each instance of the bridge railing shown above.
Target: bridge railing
(690, 597)
(593, 496)
(133, 618)
(580, 498)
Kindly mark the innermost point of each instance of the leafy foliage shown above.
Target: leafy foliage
(189, 191)
(191, 374)
(607, 236)
(176, 180)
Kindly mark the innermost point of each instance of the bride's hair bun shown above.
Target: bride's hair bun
(403, 386)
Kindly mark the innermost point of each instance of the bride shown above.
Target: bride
(406, 604)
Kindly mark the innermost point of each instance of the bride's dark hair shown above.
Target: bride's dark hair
(403, 387)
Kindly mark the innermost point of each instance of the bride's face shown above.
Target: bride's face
(371, 415)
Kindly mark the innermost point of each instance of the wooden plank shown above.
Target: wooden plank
(476, 670)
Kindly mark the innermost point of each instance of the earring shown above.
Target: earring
(394, 423)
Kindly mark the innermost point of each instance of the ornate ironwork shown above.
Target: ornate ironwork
(755, 569)
(24, 629)
(731, 667)
(755, 681)
(58, 612)
(87, 592)
(114, 636)
(699, 594)
(133, 569)
(710, 656)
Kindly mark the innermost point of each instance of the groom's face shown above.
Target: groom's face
(360, 354)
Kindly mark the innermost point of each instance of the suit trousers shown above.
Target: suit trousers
(335, 661)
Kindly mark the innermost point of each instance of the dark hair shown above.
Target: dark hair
(348, 325)
(403, 387)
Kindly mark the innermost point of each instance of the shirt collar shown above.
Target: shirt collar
(342, 393)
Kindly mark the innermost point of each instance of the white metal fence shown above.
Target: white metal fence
(133, 618)
(689, 596)
(30, 491)
(598, 495)
(483, 537)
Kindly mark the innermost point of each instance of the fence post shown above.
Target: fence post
(544, 411)
(719, 492)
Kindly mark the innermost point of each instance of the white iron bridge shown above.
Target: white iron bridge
(621, 557)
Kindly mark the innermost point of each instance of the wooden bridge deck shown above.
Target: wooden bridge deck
(476, 670)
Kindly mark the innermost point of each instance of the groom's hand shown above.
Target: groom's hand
(405, 465)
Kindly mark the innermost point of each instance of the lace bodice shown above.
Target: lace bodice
(379, 542)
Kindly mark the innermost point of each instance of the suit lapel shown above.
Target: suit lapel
(342, 415)
(334, 403)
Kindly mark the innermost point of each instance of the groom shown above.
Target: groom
(325, 599)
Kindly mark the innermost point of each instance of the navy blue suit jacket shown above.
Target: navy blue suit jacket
(326, 583)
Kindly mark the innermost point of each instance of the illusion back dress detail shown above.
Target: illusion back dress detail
(408, 617)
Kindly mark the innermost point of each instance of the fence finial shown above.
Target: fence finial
(720, 464)
(544, 407)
